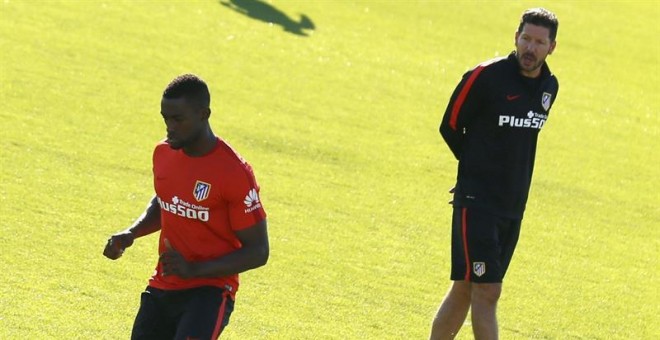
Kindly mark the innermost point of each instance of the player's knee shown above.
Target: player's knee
(461, 289)
(486, 292)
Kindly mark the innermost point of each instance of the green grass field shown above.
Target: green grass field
(341, 128)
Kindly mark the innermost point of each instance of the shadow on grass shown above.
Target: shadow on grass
(265, 12)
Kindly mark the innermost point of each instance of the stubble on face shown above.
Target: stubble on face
(533, 45)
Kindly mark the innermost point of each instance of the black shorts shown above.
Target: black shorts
(482, 245)
(196, 313)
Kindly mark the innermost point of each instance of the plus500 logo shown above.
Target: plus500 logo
(184, 209)
(534, 120)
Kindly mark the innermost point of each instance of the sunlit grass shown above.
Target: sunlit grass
(341, 128)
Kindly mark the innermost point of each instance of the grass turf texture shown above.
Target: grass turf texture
(340, 127)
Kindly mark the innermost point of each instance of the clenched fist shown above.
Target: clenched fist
(117, 243)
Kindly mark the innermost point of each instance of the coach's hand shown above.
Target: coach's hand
(174, 264)
(452, 191)
(117, 243)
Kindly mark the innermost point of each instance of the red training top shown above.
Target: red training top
(203, 200)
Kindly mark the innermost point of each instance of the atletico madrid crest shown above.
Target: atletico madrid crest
(201, 191)
(545, 100)
(479, 268)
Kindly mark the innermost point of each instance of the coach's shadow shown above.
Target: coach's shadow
(265, 12)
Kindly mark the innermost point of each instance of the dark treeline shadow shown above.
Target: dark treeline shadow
(265, 12)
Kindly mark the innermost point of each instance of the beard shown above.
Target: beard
(529, 62)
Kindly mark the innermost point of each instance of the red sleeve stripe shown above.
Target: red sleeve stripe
(456, 108)
(461, 96)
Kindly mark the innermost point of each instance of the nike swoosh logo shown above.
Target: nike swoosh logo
(512, 97)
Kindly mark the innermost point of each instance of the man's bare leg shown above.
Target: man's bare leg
(452, 312)
(484, 304)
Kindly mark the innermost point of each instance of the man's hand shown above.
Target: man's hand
(452, 191)
(174, 264)
(117, 243)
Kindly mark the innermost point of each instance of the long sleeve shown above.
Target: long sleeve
(463, 106)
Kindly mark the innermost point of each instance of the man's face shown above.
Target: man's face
(533, 45)
(184, 121)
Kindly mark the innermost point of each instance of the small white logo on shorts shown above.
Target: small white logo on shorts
(479, 268)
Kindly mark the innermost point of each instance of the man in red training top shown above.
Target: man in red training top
(212, 223)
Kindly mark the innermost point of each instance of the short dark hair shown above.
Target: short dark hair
(191, 87)
(540, 17)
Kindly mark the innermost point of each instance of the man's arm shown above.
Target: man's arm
(147, 223)
(253, 253)
(462, 107)
(452, 136)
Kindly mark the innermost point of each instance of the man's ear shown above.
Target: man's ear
(205, 113)
(552, 47)
(515, 39)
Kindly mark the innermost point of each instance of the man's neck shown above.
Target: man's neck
(202, 146)
(533, 74)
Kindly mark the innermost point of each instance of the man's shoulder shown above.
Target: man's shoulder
(491, 64)
(162, 145)
(162, 148)
(230, 160)
(489, 69)
(225, 151)
(236, 172)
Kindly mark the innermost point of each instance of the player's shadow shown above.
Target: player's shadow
(265, 12)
